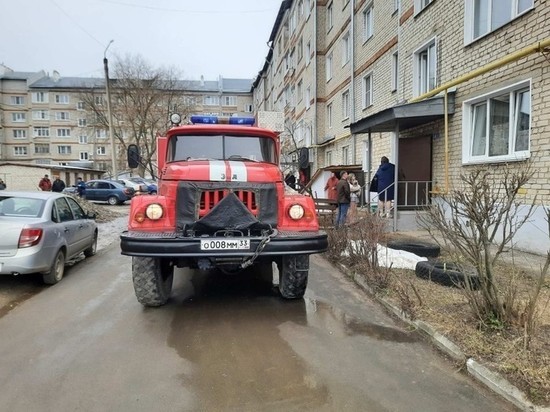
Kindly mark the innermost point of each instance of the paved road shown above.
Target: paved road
(220, 344)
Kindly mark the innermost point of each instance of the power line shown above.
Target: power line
(138, 6)
(76, 23)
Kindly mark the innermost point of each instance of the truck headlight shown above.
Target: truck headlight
(296, 212)
(154, 211)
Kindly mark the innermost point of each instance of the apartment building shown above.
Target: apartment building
(375, 65)
(44, 119)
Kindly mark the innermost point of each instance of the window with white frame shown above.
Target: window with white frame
(101, 133)
(496, 127)
(396, 5)
(345, 105)
(20, 150)
(101, 150)
(425, 68)
(17, 100)
(301, 7)
(41, 131)
(346, 48)
(211, 100)
(82, 122)
(300, 49)
(98, 100)
(484, 16)
(308, 97)
(229, 100)
(368, 22)
(308, 52)
(63, 132)
(83, 155)
(300, 91)
(18, 117)
(330, 17)
(19, 133)
(328, 66)
(420, 5)
(307, 7)
(41, 148)
(40, 115)
(40, 97)
(62, 98)
(367, 91)
(83, 139)
(329, 115)
(80, 105)
(394, 71)
(328, 157)
(345, 155)
(61, 115)
(64, 150)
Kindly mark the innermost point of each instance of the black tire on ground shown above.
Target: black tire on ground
(447, 274)
(89, 252)
(418, 248)
(293, 274)
(112, 200)
(152, 279)
(57, 269)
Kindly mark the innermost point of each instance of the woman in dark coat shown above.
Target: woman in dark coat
(385, 176)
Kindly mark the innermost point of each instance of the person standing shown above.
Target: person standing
(80, 187)
(385, 176)
(2, 185)
(355, 196)
(45, 184)
(58, 185)
(330, 187)
(343, 198)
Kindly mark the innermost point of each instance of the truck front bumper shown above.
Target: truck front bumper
(148, 244)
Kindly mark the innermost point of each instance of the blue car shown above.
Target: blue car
(151, 184)
(108, 191)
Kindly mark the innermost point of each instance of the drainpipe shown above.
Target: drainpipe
(446, 132)
(352, 81)
(315, 164)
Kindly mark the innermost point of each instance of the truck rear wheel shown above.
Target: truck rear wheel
(293, 273)
(152, 279)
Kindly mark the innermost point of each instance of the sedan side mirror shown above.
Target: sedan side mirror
(91, 215)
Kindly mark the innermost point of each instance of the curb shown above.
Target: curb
(491, 379)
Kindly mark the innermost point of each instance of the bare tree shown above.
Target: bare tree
(143, 97)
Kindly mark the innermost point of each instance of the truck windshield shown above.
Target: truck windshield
(221, 147)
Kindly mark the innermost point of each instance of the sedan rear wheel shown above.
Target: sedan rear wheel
(92, 249)
(113, 200)
(55, 274)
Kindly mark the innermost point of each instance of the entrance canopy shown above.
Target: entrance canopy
(405, 116)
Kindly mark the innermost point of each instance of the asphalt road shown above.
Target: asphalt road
(220, 343)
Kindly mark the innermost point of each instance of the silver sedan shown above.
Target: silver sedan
(41, 231)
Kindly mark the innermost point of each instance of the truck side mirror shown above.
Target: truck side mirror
(133, 156)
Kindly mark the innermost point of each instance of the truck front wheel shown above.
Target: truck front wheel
(293, 273)
(152, 279)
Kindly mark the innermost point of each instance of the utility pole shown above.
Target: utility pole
(109, 113)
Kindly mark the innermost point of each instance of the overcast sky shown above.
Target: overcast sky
(208, 37)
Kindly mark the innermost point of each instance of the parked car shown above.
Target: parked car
(139, 188)
(151, 184)
(41, 231)
(109, 191)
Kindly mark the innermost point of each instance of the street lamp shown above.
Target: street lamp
(109, 113)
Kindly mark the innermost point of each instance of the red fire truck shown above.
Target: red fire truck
(221, 204)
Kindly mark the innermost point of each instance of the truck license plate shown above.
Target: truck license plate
(225, 244)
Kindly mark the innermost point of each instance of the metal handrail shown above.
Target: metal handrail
(421, 193)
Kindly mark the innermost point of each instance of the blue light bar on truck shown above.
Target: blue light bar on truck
(246, 121)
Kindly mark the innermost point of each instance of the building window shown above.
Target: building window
(40, 97)
(307, 7)
(211, 100)
(41, 131)
(82, 122)
(61, 115)
(62, 98)
(40, 115)
(346, 49)
(98, 100)
(484, 16)
(101, 133)
(345, 155)
(83, 139)
(101, 150)
(328, 158)
(368, 22)
(496, 127)
(83, 155)
(425, 68)
(19, 134)
(345, 105)
(367, 91)
(394, 71)
(308, 97)
(308, 52)
(329, 66)
(300, 91)
(20, 151)
(396, 5)
(300, 49)
(80, 105)
(329, 115)
(229, 100)
(330, 17)
(18, 117)
(420, 5)
(17, 100)
(64, 150)
(41, 148)
(63, 132)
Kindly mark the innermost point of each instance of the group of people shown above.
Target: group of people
(58, 185)
(346, 191)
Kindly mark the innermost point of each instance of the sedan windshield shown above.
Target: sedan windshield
(21, 206)
(221, 147)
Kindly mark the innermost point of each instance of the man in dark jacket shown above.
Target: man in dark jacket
(343, 198)
(58, 185)
(386, 177)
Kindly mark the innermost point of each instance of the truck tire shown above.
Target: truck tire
(447, 274)
(152, 279)
(293, 273)
(418, 248)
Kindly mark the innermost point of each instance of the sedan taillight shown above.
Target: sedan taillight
(29, 237)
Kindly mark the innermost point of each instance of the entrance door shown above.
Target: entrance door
(415, 171)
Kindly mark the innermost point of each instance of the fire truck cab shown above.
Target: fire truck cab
(221, 203)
